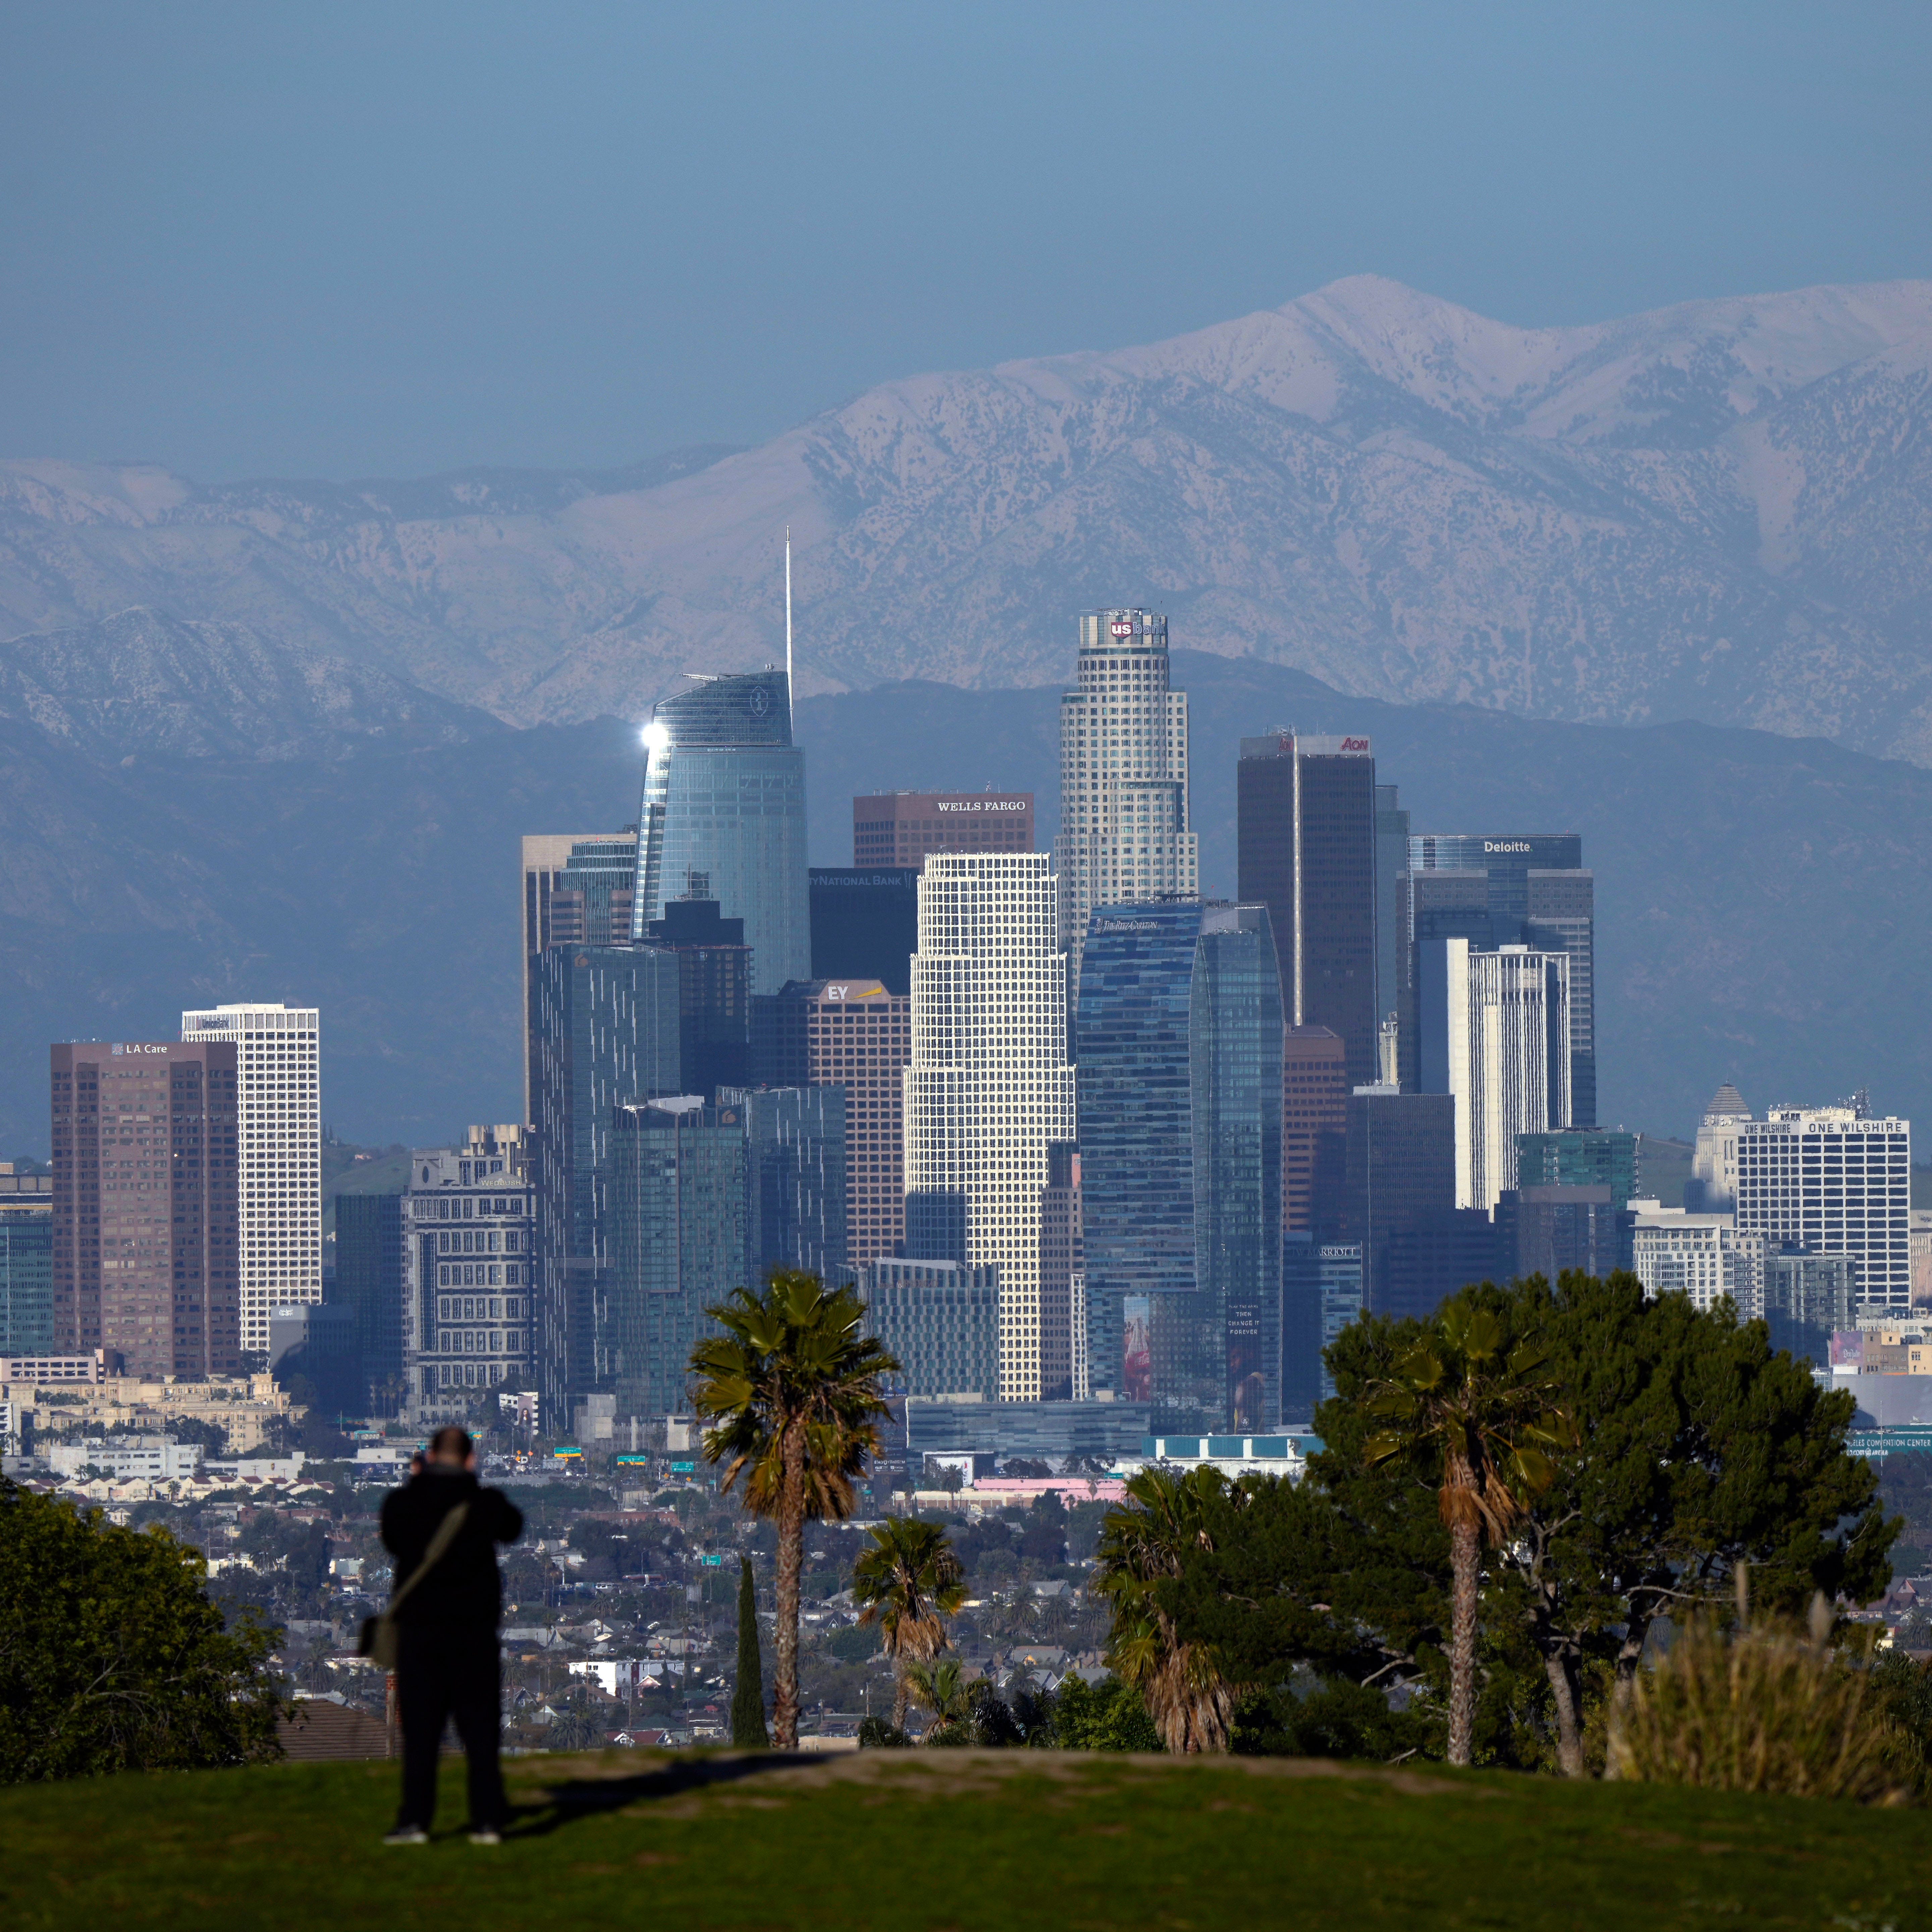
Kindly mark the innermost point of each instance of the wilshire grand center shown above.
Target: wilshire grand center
(723, 818)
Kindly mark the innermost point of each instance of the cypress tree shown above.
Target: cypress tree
(748, 1699)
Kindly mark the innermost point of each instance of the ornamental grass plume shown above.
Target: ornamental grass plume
(1772, 1707)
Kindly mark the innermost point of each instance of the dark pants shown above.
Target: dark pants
(443, 1673)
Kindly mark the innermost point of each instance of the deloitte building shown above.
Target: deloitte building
(723, 818)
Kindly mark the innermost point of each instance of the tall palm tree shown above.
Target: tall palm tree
(1189, 1700)
(1481, 1419)
(793, 1387)
(909, 1583)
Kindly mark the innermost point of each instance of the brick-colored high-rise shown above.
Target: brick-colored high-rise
(147, 1205)
(1314, 1125)
(899, 828)
(852, 1034)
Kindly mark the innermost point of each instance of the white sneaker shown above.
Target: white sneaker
(407, 1834)
(488, 1835)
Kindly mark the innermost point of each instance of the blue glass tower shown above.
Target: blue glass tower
(723, 818)
(606, 1023)
(679, 1236)
(1179, 1029)
(26, 1276)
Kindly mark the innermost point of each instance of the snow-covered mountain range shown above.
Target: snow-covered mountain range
(1718, 510)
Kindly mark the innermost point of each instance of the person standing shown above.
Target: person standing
(446, 1603)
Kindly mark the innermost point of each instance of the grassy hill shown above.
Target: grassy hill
(901, 1840)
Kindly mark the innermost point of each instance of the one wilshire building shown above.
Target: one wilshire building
(723, 818)
(1180, 1071)
(1495, 890)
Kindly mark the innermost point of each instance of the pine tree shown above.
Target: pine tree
(748, 1699)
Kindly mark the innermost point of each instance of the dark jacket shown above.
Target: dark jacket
(463, 1590)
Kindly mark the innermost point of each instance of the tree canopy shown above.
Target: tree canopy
(112, 1658)
(1697, 1446)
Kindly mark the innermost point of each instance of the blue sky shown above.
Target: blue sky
(349, 240)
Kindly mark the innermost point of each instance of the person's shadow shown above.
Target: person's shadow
(570, 1798)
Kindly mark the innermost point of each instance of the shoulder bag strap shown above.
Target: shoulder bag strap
(446, 1533)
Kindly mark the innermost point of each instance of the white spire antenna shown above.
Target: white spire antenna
(788, 698)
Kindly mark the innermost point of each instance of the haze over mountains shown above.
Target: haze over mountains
(1720, 510)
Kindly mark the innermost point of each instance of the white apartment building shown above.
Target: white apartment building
(1508, 1038)
(1702, 1255)
(989, 1087)
(1828, 1180)
(1123, 821)
(277, 1051)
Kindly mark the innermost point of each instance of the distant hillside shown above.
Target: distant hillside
(140, 682)
(1765, 913)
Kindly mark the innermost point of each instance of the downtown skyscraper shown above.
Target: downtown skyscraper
(1307, 815)
(1505, 889)
(278, 1051)
(723, 818)
(988, 1090)
(1124, 832)
(145, 1201)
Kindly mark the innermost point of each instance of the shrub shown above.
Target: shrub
(1771, 1709)
(882, 1734)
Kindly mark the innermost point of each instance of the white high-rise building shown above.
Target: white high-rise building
(989, 1087)
(1508, 1037)
(1826, 1180)
(1702, 1255)
(277, 1051)
(1124, 824)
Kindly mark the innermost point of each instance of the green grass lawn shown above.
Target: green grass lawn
(942, 1839)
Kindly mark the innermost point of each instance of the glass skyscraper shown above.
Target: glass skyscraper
(723, 818)
(605, 1021)
(26, 1274)
(1308, 846)
(678, 1239)
(796, 1172)
(1180, 1069)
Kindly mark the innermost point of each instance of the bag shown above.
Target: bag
(378, 1640)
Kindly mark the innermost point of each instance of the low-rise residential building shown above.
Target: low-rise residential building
(128, 1458)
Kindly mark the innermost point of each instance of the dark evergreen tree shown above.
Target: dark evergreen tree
(748, 1699)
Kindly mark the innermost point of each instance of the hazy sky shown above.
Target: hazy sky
(343, 240)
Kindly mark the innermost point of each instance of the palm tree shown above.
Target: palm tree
(940, 1687)
(1479, 1422)
(1190, 1702)
(793, 1387)
(909, 1583)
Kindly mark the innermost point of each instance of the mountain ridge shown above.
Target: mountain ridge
(1721, 510)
